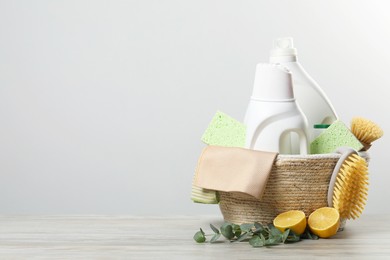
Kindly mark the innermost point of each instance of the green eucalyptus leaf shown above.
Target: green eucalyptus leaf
(215, 237)
(236, 230)
(259, 230)
(275, 240)
(256, 241)
(227, 230)
(262, 239)
(199, 236)
(308, 235)
(243, 236)
(274, 231)
(246, 227)
(314, 237)
(257, 225)
(285, 235)
(292, 237)
(267, 230)
(216, 231)
(278, 238)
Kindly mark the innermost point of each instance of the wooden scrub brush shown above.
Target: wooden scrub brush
(366, 131)
(348, 188)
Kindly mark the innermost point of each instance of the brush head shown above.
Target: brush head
(351, 187)
(366, 131)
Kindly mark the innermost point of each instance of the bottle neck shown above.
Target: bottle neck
(280, 59)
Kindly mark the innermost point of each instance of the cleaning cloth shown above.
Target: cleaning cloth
(223, 130)
(233, 169)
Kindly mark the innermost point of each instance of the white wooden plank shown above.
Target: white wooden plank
(113, 237)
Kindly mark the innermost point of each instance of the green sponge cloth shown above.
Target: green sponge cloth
(335, 136)
(224, 130)
(200, 195)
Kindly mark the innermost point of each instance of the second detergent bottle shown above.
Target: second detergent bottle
(273, 114)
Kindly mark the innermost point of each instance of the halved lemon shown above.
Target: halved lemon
(293, 219)
(324, 222)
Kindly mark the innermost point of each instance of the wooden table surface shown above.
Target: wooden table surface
(127, 237)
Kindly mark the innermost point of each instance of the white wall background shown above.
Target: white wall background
(103, 103)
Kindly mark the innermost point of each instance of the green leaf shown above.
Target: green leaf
(259, 229)
(309, 235)
(246, 227)
(215, 237)
(242, 237)
(227, 231)
(262, 239)
(199, 236)
(292, 237)
(274, 240)
(256, 241)
(285, 235)
(267, 230)
(236, 230)
(274, 231)
(314, 237)
(216, 231)
(258, 225)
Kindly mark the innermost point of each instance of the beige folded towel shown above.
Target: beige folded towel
(233, 169)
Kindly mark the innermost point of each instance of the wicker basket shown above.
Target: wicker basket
(295, 182)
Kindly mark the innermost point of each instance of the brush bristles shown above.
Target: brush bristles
(351, 187)
(365, 130)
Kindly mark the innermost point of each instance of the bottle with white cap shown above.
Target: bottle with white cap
(273, 114)
(311, 98)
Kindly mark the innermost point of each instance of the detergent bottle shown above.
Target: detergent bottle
(311, 98)
(273, 113)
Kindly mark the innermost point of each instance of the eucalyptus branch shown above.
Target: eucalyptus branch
(256, 234)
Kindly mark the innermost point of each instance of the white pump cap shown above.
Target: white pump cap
(283, 48)
(273, 82)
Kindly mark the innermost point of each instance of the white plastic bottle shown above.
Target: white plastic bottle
(272, 114)
(311, 98)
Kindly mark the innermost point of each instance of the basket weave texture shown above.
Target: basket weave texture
(295, 183)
